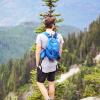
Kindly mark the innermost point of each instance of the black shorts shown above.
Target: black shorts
(41, 76)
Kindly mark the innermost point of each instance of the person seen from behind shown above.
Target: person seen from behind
(48, 52)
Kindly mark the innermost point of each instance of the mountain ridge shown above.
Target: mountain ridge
(15, 41)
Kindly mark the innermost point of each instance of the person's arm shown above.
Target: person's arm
(61, 44)
(38, 50)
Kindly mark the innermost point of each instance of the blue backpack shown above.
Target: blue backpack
(52, 48)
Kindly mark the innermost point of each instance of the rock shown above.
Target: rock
(91, 98)
(11, 96)
(97, 59)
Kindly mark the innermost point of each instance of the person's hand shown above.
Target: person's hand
(59, 59)
(38, 66)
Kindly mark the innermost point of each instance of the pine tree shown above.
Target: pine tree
(50, 4)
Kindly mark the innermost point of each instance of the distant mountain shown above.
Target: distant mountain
(16, 41)
(65, 30)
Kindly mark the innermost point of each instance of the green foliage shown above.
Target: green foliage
(41, 28)
(83, 47)
(77, 49)
(15, 41)
(92, 82)
(36, 95)
(86, 83)
(33, 48)
(33, 77)
(15, 74)
(61, 68)
(83, 84)
(89, 91)
(50, 4)
(67, 89)
(22, 89)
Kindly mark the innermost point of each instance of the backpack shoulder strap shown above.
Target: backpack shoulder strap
(48, 35)
(55, 35)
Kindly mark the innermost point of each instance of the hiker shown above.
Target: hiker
(46, 66)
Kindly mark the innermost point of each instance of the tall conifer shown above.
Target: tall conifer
(50, 4)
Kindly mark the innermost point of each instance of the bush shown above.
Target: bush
(83, 84)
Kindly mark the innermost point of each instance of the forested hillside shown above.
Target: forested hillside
(78, 49)
(16, 41)
(81, 49)
(84, 47)
(18, 75)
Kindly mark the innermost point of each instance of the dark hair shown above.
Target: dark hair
(49, 22)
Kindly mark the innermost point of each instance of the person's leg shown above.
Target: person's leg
(51, 79)
(51, 91)
(40, 82)
(43, 90)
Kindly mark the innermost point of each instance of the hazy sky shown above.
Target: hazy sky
(77, 13)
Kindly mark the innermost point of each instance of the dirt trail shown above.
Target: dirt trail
(73, 70)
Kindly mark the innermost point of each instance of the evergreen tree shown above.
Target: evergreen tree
(50, 4)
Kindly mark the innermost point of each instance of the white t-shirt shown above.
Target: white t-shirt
(47, 65)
